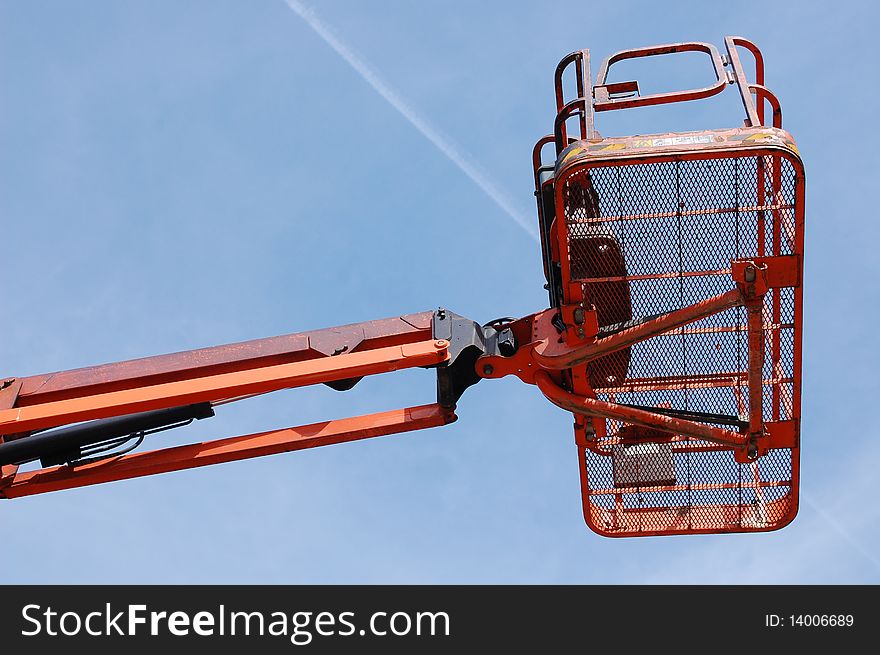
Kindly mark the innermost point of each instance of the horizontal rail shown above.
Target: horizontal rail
(680, 446)
(669, 275)
(740, 209)
(697, 486)
(721, 380)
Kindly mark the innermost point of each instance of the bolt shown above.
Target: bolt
(581, 332)
(441, 343)
(750, 274)
(488, 369)
(753, 450)
(506, 342)
(579, 315)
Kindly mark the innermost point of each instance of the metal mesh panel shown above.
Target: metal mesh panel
(678, 225)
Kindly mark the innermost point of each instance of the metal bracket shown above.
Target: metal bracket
(468, 341)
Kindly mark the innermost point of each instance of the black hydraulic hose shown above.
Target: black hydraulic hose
(65, 444)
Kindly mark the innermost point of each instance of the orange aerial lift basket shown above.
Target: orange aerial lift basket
(673, 333)
(694, 429)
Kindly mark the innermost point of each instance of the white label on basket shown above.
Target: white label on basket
(681, 140)
(643, 449)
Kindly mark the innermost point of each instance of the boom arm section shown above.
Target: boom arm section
(114, 404)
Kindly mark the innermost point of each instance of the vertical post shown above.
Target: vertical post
(776, 332)
(9, 389)
(755, 325)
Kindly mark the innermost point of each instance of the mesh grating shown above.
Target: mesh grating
(678, 225)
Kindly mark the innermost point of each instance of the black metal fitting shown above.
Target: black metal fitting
(468, 341)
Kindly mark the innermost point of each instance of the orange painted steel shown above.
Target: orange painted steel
(9, 391)
(227, 450)
(549, 355)
(660, 227)
(222, 386)
(603, 91)
(217, 375)
(668, 424)
(235, 357)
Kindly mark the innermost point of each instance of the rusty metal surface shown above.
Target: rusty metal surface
(706, 144)
(754, 112)
(10, 388)
(603, 96)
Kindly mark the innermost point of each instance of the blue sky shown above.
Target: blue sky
(182, 174)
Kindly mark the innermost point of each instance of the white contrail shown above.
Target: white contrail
(428, 131)
(843, 532)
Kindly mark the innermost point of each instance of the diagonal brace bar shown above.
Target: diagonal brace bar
(594, 407)
(552, 356)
